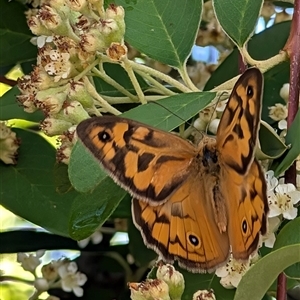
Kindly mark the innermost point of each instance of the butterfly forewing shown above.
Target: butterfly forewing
(149, 163)
(238, 128)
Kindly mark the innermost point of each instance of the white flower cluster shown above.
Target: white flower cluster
(73, 37)
(57, 274)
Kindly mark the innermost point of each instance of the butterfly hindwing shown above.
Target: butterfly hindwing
(183, 229)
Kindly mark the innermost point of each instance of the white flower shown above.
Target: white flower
(71, 280)
(278, 112)
(269, 238)
(29, 262)
(272, 182)
(232, 273)
(60, 65)
(283, 200)
(95, 238)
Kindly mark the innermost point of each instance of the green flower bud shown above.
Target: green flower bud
(51, 100)
(73, 112)
(52, 126)
(151, 289)
(9, 144)
(79, 93)
(173, 278)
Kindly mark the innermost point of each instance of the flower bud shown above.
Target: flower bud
(92, 41)
(79, 93)
(51, 100)
(149, 290)
(116, 13)
(207, 114)
(204, 295)
(73, 112)
(36, 27)
(9, 144)
(52, 126)
(41, 284)
(213, 126)
(284, 92)
(173, 278)
(199, 124)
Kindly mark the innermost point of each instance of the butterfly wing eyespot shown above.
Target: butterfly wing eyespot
(104, 136)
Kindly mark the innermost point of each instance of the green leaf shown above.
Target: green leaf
(293, 140)
(14, 34)
(123, 211)
(163, 30)
(91, 210)
(259, 277)
(238, 18)
(270, 143)
(171, 111)
(10, 109)
(28, 189)
(84, 171)
(289, 235)
(142, 255)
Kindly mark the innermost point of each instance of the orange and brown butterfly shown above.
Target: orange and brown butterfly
(193, 204)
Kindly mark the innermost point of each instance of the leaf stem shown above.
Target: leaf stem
(102, 74)
(160, 75)
(15, 279)
(186, 78)
(155, 83)
(263, 65)
(103, 103)
(125, 63)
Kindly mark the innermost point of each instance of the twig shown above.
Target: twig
(292, 47)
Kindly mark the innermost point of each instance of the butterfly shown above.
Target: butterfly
(194, 204)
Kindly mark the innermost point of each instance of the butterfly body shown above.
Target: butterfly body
(193, 204)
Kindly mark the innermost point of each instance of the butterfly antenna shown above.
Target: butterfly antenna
(176, 115)
(215, 108)
(154, 102)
